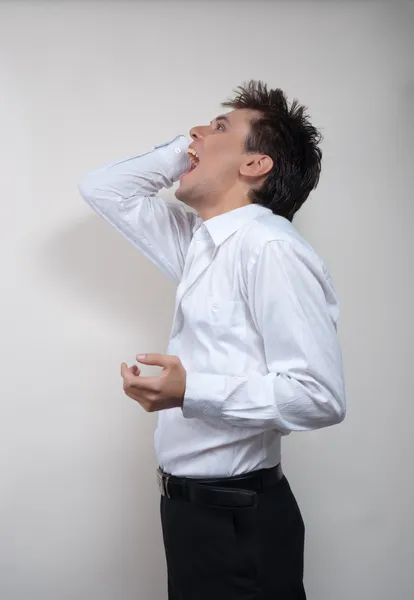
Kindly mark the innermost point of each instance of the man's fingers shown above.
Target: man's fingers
(137, 383)
(148, 384)
(147, 405)
(124, 370)
(133, 370)
(158, 360)
(145, 390)
(144, 398)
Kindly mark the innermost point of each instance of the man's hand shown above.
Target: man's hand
(156, 393)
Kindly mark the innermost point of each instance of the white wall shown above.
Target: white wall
(83, 83)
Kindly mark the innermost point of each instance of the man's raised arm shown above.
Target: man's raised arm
(124, 193)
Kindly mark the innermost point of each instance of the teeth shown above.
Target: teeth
(193, 156)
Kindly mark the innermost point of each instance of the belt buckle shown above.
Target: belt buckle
(163, 479)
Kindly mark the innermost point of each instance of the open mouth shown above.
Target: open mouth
(194, 158)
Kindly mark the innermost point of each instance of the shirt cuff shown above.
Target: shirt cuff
(177, 160)
(204, 395)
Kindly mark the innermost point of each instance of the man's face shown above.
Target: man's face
(220, 151)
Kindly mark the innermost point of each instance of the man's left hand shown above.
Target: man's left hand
(156, 393)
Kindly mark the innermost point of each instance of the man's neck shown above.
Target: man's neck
(221, 207)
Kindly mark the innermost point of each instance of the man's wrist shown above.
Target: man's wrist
(177, 160)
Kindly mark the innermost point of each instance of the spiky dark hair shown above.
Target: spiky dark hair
(286, 134)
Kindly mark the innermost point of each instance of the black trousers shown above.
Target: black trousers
(235, 554)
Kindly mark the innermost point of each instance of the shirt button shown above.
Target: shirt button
(178, 150)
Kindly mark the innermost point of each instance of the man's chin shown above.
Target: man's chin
(189, 192)
(183, 194)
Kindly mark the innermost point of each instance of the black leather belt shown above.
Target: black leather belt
(230, 492)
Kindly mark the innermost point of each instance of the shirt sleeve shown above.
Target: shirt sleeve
(124, 194)
(294, 308)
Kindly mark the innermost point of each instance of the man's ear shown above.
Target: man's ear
(256, 165)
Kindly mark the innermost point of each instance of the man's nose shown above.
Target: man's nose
(198, 133)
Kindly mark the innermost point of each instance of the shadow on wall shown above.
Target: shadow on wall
(85, 450)
(94, 263)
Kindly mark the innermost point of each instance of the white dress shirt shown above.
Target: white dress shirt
(254, 323)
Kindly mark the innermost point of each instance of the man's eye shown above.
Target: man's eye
(220, 126)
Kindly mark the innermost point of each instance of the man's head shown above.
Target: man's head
(263, 151)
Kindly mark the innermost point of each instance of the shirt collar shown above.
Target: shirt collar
(223, 226)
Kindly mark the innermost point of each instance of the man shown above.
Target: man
(253, 354)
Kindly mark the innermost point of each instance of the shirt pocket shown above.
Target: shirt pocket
(227, 315)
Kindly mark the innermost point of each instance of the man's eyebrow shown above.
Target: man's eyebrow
(222, 118)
